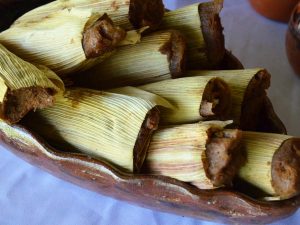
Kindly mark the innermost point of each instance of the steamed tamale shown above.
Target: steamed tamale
(203, 154)
(68, 40)
(194, 98)
(112, 127)
(201, 25)
(157, 57)
(24, 86)
(273, 164)
(251, 108)
(128, 14)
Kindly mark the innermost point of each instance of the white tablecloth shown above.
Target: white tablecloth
(31, 196)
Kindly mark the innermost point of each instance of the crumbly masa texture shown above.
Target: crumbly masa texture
(286, 169)
(216, 100)
(19, 102)
(224, 156)
(101, 37)
(142, 143)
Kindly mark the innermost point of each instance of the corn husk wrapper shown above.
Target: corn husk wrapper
(132, 65)
(178, 151)
(118, 10)
(188, 21)
(260, 148)
(237, 80)
(148, 96)
(101, 124)
(16, 73)
(56, 40)
(186, 94)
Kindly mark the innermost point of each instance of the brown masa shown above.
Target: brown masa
(224, 156)
(101, 37)
(19, 102)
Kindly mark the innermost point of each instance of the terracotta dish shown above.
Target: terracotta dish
(279, 10)
(293, 40)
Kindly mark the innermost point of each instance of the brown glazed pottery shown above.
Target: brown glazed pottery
(293, 40)
(155, 192)
(279, 10)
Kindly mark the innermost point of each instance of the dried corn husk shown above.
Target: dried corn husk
(56, 40)
(150, 60)
(101, 124)
(119, 11)
(180, 152)
(24, 86)
(195, 98)
(200, 23)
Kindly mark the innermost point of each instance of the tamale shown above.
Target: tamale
(24, 86)
(157, 57)
(203, 154)
(251, 107)
(273, 163)
(194, 98)
(10, 10)
(111, 127)
(66, 41)
(128, 14)
(201, 25)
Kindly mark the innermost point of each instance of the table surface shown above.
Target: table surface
(31, 196)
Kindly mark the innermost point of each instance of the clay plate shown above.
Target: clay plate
(155, 192)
